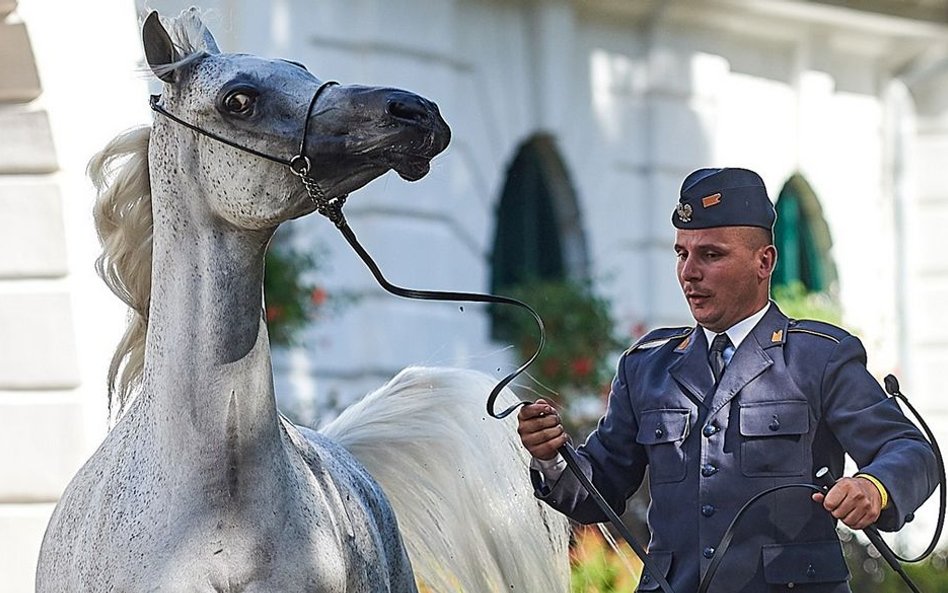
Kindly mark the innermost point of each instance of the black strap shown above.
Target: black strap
(299, 164)
(566, 451)
(467, 297)
(573, 464)
(725, 542)
(892, 387)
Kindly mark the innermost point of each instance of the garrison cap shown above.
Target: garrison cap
(723, 197)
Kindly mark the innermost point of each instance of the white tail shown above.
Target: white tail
(458, 482)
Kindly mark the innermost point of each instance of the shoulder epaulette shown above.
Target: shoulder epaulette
(658, 337)
(817, 328)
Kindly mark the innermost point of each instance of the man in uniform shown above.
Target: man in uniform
(745, 401)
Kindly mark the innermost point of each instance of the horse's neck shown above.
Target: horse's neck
(207, 381)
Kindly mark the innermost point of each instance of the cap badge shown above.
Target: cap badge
(684, 212)
(777, 336)
(712, 200)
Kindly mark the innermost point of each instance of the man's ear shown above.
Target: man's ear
(767, 259)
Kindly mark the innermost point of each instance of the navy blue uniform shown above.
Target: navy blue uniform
(795, 396)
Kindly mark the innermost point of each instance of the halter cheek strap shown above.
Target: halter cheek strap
(299, 164)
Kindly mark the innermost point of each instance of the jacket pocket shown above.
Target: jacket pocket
(792, 565)
(773, 442)
(663, 433)
(663, 562)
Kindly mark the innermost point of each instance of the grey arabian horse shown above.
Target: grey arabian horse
(201, 485)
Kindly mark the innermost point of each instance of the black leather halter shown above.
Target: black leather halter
(331, 208)
(299, 164)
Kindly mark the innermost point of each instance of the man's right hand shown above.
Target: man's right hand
(540, 430)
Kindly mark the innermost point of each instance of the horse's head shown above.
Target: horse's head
(352, 134)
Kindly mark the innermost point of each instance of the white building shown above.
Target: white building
(621, 99)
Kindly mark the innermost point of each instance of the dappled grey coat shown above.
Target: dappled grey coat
(794, 397)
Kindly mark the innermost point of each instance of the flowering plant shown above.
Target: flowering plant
(291, 300)
(579, 330)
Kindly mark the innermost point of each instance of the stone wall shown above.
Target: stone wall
(38, 359)
(67, 85)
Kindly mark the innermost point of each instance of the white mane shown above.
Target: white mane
(123, 222)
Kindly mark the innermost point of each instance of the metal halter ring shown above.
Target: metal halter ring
(300, 165)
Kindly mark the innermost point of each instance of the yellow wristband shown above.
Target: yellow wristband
(882, 491)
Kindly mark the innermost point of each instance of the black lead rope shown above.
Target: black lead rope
(892, 387)
(331, 208)
(465, 297)
(566, 450)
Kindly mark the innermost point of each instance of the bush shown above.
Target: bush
(291, 299)
(597, 568)
(577, 361)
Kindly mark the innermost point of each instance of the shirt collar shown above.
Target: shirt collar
(739, 330)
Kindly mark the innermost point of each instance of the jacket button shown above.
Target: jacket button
(810, 571)
(659, 432)
(708, 510)
(646, 577)
(709, 430)
(708, 552)
(774, 424)
(708, 470)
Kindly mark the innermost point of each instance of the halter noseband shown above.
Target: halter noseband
(299, 165)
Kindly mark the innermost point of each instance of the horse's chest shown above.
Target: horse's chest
(254, 567)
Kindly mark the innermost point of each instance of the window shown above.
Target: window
(538, 235)
(803, 239)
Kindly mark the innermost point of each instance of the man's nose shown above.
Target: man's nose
(689, 271)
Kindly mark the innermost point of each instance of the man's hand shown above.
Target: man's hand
(540, 430)
(854, 501)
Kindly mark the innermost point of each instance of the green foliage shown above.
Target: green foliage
(577, 362)
(579, 331)
(797, 303)
(292, 301)
(871, 573)
(597, 568)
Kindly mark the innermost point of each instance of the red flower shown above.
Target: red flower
(582, 366)
(319, 296)
(274, 312)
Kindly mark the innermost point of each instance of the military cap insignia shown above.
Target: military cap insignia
(684, 212)
(712, 200)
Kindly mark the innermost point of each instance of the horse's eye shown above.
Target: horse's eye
(240, 102)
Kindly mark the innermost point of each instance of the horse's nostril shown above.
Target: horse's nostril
(407, 108)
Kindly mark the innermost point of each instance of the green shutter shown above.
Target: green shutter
(802, 238)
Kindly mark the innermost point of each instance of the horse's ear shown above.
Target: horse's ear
(210, 44)
(159, 49)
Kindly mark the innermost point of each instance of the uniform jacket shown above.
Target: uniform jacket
(795, 396)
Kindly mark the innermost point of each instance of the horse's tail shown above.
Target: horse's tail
(458, 482)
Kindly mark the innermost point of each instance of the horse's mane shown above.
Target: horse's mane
(123, 221)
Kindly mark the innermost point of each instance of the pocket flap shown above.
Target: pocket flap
(662, 561)
(663, 426)
(765, 419)
(801, 563)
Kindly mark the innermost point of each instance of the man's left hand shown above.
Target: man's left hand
(854, 501)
